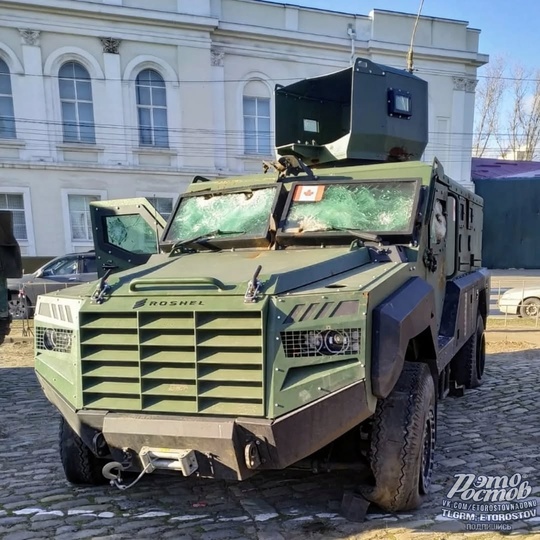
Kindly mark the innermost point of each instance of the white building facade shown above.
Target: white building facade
(112, 99)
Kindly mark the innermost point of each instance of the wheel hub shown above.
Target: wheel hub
(427, 453)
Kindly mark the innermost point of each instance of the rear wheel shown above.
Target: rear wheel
(80, 464)
(403, 441)
(469, 363)
(530, 307)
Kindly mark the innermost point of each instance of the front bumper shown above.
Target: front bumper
(224, 446)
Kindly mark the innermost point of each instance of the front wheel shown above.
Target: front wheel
(403, 441)
(19, 308)
(530, 307)
(80, 464)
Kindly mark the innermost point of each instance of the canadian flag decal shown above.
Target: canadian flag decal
(308, 193)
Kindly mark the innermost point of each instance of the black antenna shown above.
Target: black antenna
(410, 60)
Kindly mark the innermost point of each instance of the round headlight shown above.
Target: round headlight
(54, 340)
(336, 342)
(49, 339)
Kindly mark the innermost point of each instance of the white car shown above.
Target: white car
(524, 302)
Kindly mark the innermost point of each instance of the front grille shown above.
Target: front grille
(186, 362)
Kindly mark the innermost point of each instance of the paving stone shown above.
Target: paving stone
(480, 433)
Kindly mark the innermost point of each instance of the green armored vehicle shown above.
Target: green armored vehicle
(10, 267)
(320, 309)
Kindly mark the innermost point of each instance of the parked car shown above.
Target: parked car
(65, 271)
(521, 301)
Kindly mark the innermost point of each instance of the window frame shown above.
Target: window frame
(76, 101)
(257, 134)
(153, 130)
(71, 244)
(160, 195)
(27, 246)
(8, 134)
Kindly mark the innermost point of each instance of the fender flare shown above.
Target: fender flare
(404, 315)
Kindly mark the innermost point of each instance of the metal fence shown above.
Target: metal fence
(520, 311)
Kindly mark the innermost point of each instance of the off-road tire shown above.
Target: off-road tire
(403, 441)
(530, 308)
(469, 363)
(80, 464)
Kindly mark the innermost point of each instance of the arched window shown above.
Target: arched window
(152, 109)
(76, 100)
(7, 116)
(256, 105)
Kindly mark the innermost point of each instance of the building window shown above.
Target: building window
(79, 216)
(164, 205)
(257, 125)
(76, 101)
(14, 202)
(7, 115)
(152, 109)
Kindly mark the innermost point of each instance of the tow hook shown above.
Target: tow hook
(116, 477)
(252, 455)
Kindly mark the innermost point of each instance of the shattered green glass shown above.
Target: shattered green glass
(132, 233)
(247, 212)
(370, 206)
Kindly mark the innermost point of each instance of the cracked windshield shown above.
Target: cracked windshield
(369, 206)
(243, 213)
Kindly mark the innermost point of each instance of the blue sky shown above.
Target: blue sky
(509, 27)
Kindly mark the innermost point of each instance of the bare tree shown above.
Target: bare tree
(489, 96)
(522, 133)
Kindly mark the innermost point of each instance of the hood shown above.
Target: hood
(229, 272)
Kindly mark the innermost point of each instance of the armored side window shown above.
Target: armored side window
(450, 258)
(438, 223)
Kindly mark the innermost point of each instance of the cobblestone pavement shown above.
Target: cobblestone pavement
(491, 431)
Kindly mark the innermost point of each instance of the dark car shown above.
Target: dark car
(61, 272)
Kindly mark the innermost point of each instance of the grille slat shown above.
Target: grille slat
(226, 375)
(118, 387)
(185, 362)
(174, 389)
(229, 340)
(116, 355)
(108, 371)
(109, 338)
(229, 391)
(230, 323)
(169, 373)
(168, 340)
(237, 357)
(176, 356)
(106, 323)
(168, 323)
